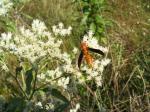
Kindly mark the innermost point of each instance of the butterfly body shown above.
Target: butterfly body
(86, 55)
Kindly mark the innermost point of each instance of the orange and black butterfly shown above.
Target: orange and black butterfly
(86, 55)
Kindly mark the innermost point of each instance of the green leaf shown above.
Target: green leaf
(101, 1)
(10, 26)
(97, 1)
(98, 19)
(16, 105)
(86, 10)
(93, 27)
(29, 78)
(84, 19)
(58, 95)
(100, 30)
(85, 1)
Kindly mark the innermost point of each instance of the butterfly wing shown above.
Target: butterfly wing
(96, 51)
(80, 59)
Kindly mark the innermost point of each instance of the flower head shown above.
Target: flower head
(5, 6)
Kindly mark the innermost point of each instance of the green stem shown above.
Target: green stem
(34, 86)
(21, 89)
(23, 81)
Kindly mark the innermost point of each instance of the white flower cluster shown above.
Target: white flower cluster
(93, 42)
(48, 106)
(97, 70)
(31, 44)
(5, 6)
(76, 109)
(36, 43)
(55, 77)
(94, 73)
(60, 30)
(39, 104)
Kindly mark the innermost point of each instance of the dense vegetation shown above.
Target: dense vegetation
(40, 45)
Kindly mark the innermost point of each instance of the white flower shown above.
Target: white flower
(68, 68)
(85, 38)
(65, 56)
(105, 62)
(5, 68)
(75, 50)
(63, 32)
(104, 49)
(51, 73)
(60, 30)
(41, 76)
(5, 6)
(90, 33)
(98, 81)
(94, 73)
(63, 82)
(58, 72)
(38, 26)
(49, 106)
(6, 36)
(76, 108)
(101, 68)
(93, 42)
(61, 25)
(78, 74)
(39, 104)
(69, 28)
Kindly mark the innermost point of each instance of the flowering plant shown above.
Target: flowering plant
(41, 48)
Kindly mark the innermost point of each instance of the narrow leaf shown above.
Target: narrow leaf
(29, 78)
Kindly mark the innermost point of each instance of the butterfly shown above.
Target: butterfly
(86, 55)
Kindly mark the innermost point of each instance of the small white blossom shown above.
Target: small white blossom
(104, 49)
(39, 104)
(38, 27)
(85, 38)
(98, 81)
(90, 33)
(6, 36)
(60, 30)
(105, 62)
(76, 108)
(93, 42)
(41, 76)
(5, 6)
(5, 68)
(63, 82)
(49, 106)
(75, 50)
(61, 25)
